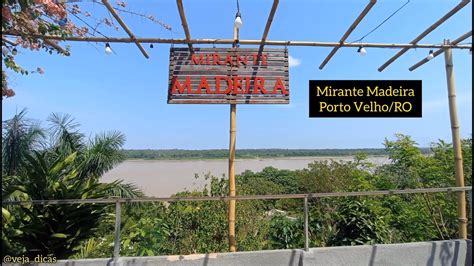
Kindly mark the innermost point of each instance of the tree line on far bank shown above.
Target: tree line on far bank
(178, 154)
(59, 162)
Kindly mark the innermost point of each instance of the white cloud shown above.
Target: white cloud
(294, 62)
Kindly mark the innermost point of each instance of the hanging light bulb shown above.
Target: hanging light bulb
(108, 50)
(151, 45)
(238, 21)
(238, 18)
(362, 51)
(430, 55)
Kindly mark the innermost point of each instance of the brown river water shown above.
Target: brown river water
(162, 178)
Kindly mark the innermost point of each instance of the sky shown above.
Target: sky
(127, 92)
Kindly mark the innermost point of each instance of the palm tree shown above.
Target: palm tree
(65, 166)
(19, 136)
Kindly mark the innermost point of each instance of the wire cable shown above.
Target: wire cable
(383, 22)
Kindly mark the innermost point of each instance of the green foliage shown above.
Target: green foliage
(175, 154)
(150, 229)
(286, 233)
(359, 222)
(63, 167)
(55, 229)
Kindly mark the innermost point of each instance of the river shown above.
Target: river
(162, 178)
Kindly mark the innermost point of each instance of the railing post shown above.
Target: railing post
(118, 219)
(306, 224)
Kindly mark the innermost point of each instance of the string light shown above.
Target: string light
(151, 45)
(238, 18)
(362, 51)
(108, 50)
(430, 55)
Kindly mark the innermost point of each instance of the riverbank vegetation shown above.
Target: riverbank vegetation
(177, 154)
(59, 163)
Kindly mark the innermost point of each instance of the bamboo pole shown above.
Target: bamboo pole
(349, 31)
(269, 23)
(458, 162)
(124, 26)
(440, 51)
(232, 140)
(184, 23)
(426, 32)
(241, 42)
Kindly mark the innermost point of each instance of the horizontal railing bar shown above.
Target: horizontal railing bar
(244, 197)
(243, 42)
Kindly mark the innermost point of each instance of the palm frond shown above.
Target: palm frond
(123, 190)
(20, 136)
(65, 135)
(102, 154)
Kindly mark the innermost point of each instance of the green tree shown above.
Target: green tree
(63, 167)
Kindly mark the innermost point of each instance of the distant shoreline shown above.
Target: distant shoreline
(256, 154)
(260, 158)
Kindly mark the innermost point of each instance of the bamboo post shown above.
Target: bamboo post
(232, 140)
(118, 220)
(453, 115)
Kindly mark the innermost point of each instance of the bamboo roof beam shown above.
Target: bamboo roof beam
(124, 26)
(426, 32)
(441, 50)
(269, 23)
(349, 31)
(182, 15)
(241, 42)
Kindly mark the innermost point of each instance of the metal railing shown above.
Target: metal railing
(119, 201)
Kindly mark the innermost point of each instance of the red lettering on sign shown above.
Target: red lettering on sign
(204, 84)
(258, 85)
(264, 59)
(177, 86)
(279, 85)
(238, 86)
(216, 59)
(228, 60)
(197, 59)
(218, 84)
(244, 60)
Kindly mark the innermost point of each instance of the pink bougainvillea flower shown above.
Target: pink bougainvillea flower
(6, 13)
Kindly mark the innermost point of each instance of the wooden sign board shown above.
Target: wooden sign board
(228, 76)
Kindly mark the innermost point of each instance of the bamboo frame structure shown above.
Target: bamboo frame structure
(184, 23)
(441, 50)
(356, 22)
(269, 24)
(125, 27)
(246, 42)
(426, 32)
(232, 198)
(457, 148)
